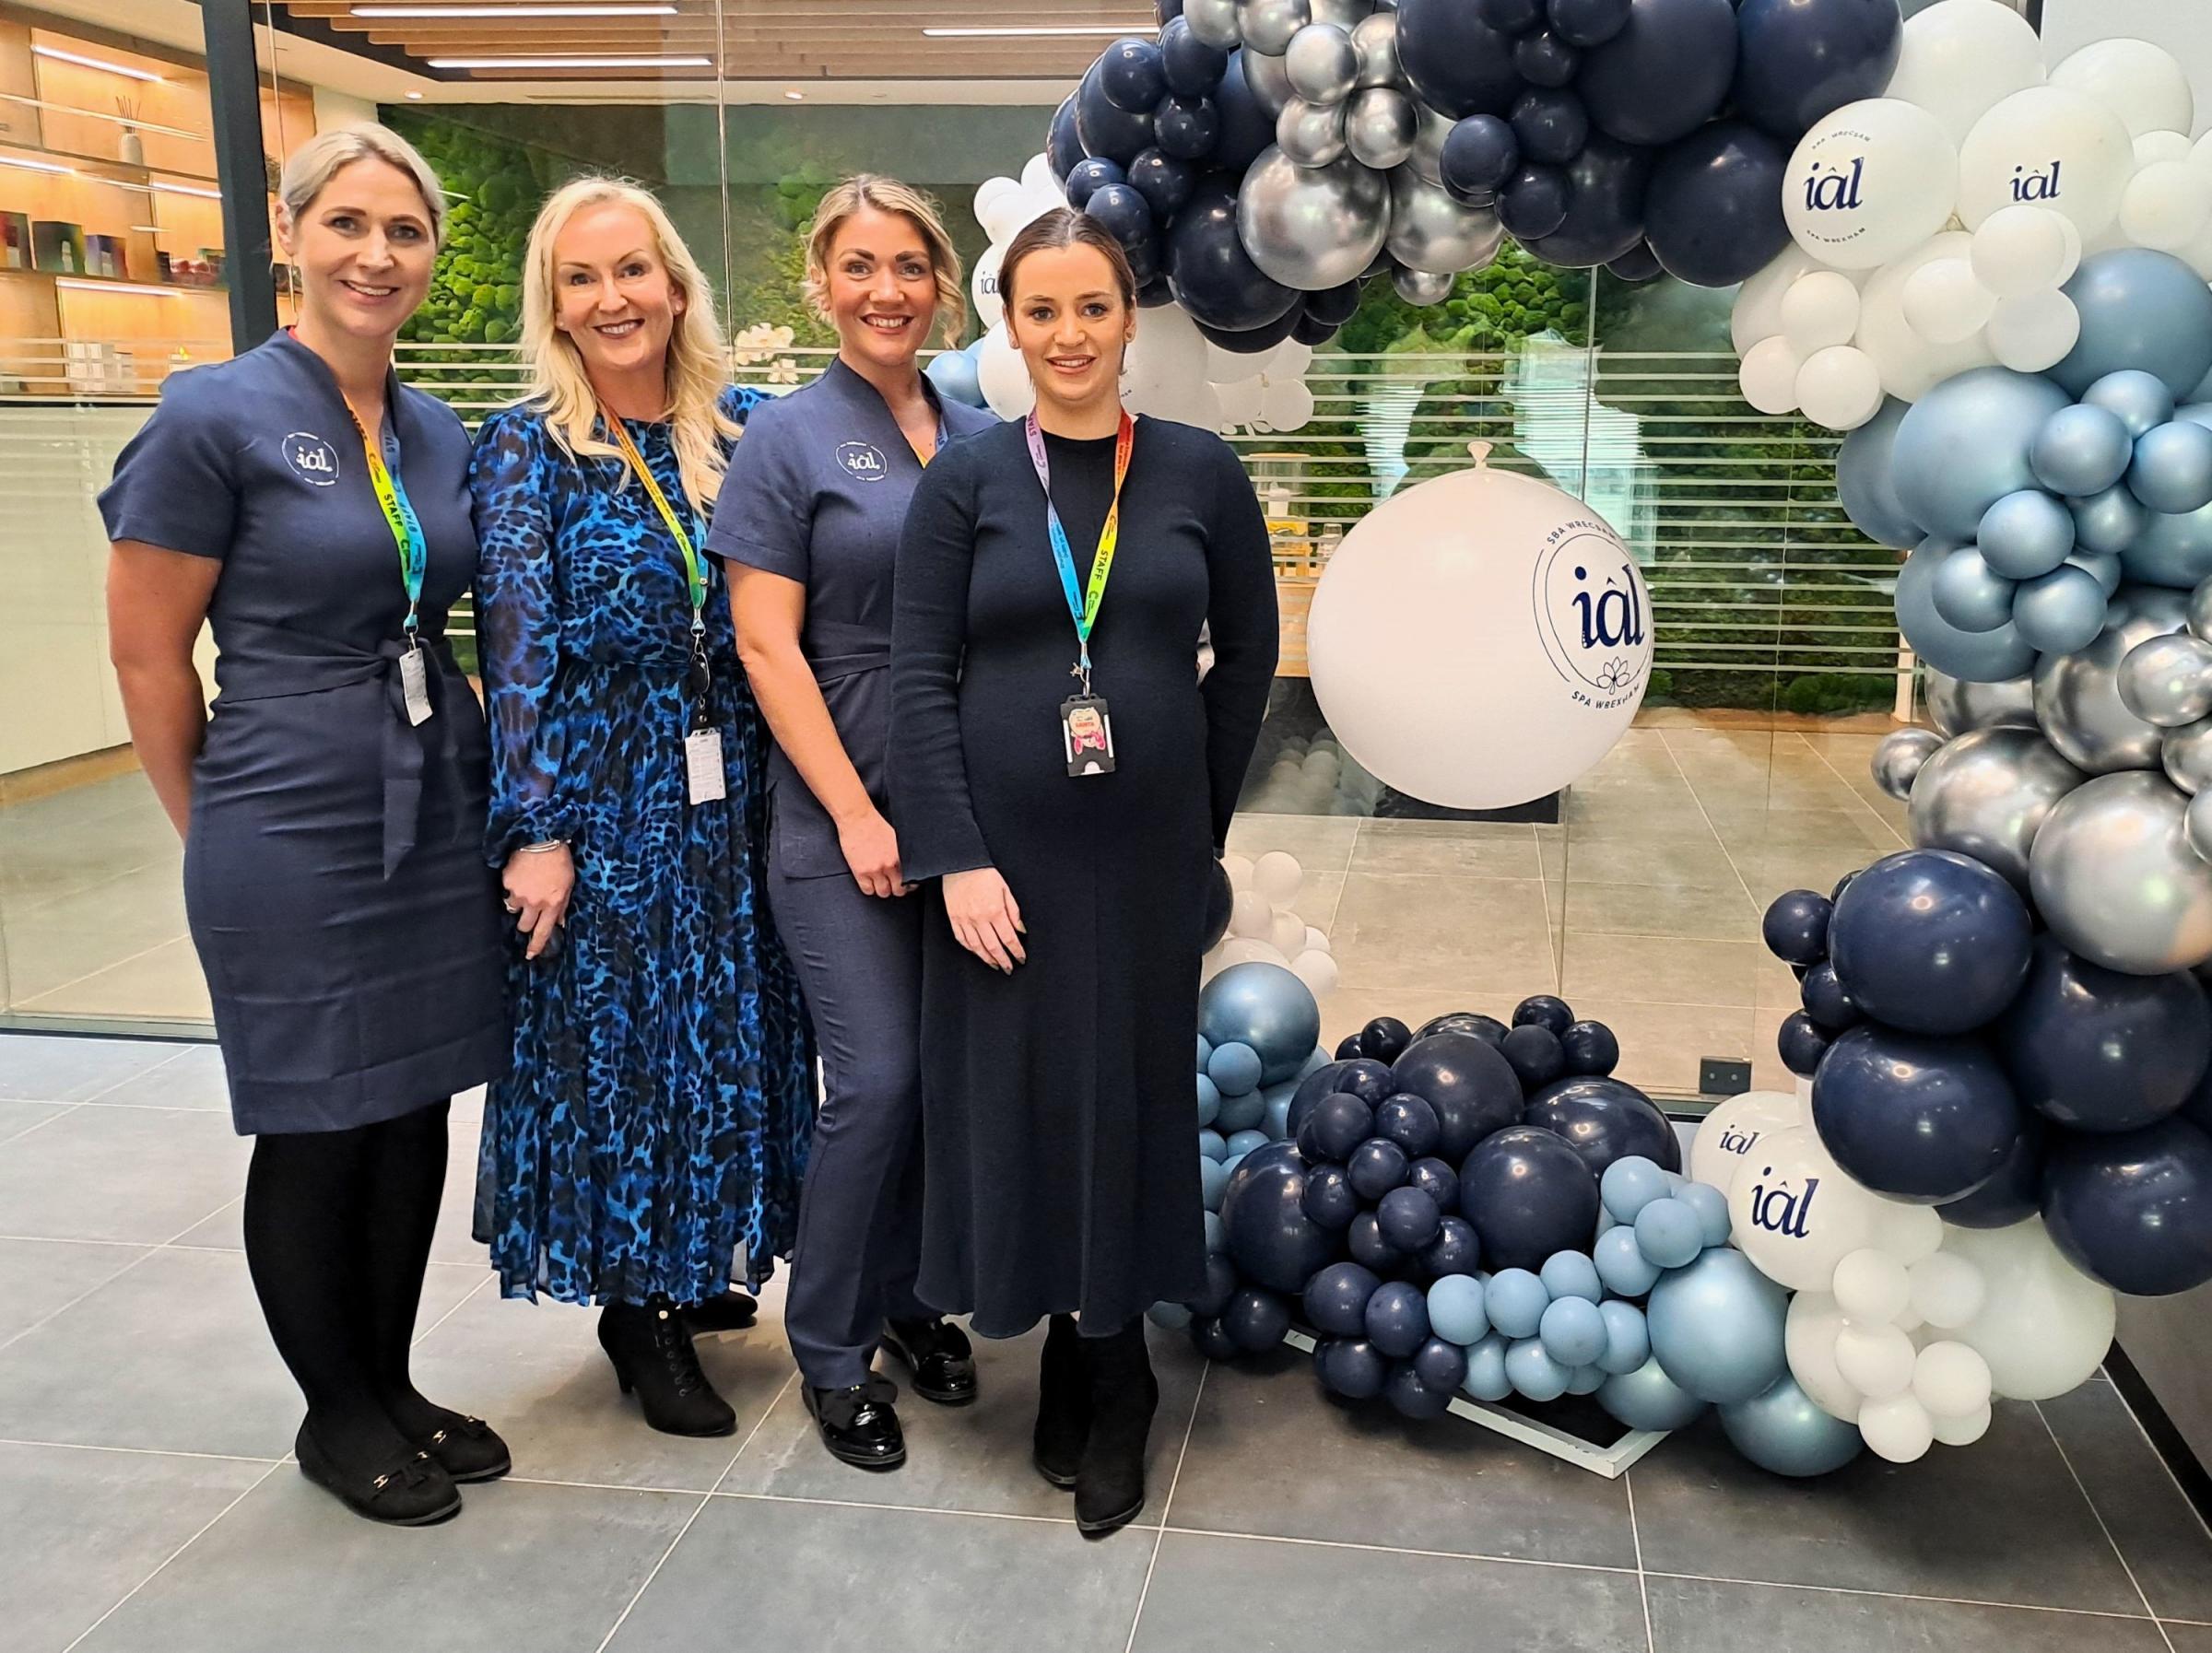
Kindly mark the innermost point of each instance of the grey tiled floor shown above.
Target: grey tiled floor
(147, 1503)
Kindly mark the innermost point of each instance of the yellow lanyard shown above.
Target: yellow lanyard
(694, 572)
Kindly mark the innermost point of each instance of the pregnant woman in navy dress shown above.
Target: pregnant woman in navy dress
(649, 1142)
(315, 513)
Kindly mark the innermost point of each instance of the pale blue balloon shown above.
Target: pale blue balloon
(1206, 1052)
(1486, 1378)
(1213, 1182)
(2172, 471)
(2174, 551)
(1314, 1064)
(1782, 1431)
(2109, 523)
(1217, 1234)
(1971, 595)
(1627, 1339)
(1213, 1145)
(1964, 446)
(1455, 1311)
(2062, 612)
(955, 374)
(1648, 1399)
(1240, 1113)
(1996, 656)
(1571, 1274)
(2139, 309)
(2081, 451)
(1866, 484)
(1533, 1372)
(1717, 1326)
(1245, 1142)
(1235, 1067)
(1516, 1300)
(1669, 1233)
(1209, 1100)
(1711, 1207)
(1572, 1331)
(1276, 1118)
(2108, 571)
(1630, 1185)
(1621, 1263)
(1232, 1162)
(1169, 1316)
(2140, 401)
(2029, 533)
(1267, 1008)
(1585, 1380)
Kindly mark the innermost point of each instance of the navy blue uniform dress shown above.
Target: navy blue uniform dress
(816, 493)
(651, 1135)
(333, 877)
(1057, 1100)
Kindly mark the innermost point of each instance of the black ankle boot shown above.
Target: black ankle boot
(1109, 1483)
(1063, 1403)
(651, 1349)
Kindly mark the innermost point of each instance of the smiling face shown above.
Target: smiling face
(612, 292)
(364, 249)
(880, 288)
(1071, 324)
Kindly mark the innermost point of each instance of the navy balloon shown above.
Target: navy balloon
(1411, 1396)
(1339, 1125)
(1352, 1368)
(1552, 127)
(1488, 1029)
(1866, 484)
(1221, 1285)
(1546, 59)
(1511, 17)
(1255, 1320)
(1410, 1122)
(1605, 212)
(1801, 1042)
(1441, 1366)
(1213, 1340)
(1409, 1219)
(1535, 202)
(1364, 1240)
(1925, 1120)
(1397, 1318)
(1191, 67)
(1434, 1177)
(1535, 1055)
(1064, 144)
(1376, 1167)
(1455, 63)
(1605, 1121)
(1454, 1250)
(1528, 1195)
(1213, 276)
(2135, 1211)
(1336, 1299)
(1258, 341)
(1467, 1082)
(2097, 1050)
(1385, 1038)
(1329, 1199)
(1795, 926)
(1713, 211)
(1665, 74)
(1106, 128)
(1271, 1240)
(1165, 182)
(1132, 75)
(1639, 264)
(1333, 307)
(1119, 210)
(1548, 1010)
(2015, 1193)
(1830, 1008)
(1931, 941)
(1590, 1048)
(1247, 129)
(1186, 128)
(1804, 59)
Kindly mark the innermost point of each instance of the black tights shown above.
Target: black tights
(339, 1230)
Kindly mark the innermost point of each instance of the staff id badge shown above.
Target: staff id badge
(705, 778)
(415, 685)
(1086, 732)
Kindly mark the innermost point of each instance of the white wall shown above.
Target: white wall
(2182, 26)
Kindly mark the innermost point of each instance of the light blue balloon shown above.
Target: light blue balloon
(1571, 1274)
(1217, 1234)
(1621, 1263)
(1970, 594)
(1245, 1142)
(1267, 1008)
(1206, 1052)
(1784, 1432)
(2172, 471)
(2140, 401)
(1627, 1339)
(1717, 1326)
(1533, 1373)
(2109, 523)
(1515, 1300)
(1964, 446)
(1630, 1185)
(1711, 1207)
(2139, 309)
(1585, 1380)
(1235, 1069)
(1486, 1378)
(2062, 612)
(2175, 551)
(2107, 572)
(1212, 1181)
(2081, 451)
(1648, 1399)
(1455, 1311)
(1169, 1316)
(1213, 1145)
(955, 374)
(1572, 1331)
(1669, 1234)
(1232, 1162)
(1240, 1113)
(1866, 484)
(1209, 1100)
(1276, 1118)
(1996, 656)
(2029, 533)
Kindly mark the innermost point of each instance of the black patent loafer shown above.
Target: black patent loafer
(858, 1428)
(717, 1316)
(468, 1449)
(938, 1355)
(413, 1492)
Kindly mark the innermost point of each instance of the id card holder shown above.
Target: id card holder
(1087, 735)
(415, 685)
(706, 781)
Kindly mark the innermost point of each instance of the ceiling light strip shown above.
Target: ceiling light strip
(572, 62)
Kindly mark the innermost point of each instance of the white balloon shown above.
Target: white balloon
(1810, 1340)
(2167, 205)
(1317, 941)
(2048, 147)
(1731, 1131)
(1910, 366)
(2163, 146)
(2144, 85)
(1962, 1431)
(1317, 970)
(1247, 949)
(1288, 359)
(1276, 875)
(1795, 1214)
(2035, 334)
(1165, 369)
(1897, 1428)
(1821, 310)
(1840, 387)
(1004, 376)
(1287, 406)
(1037, 174)
(1870, 183)
(1250, 915)
(1946, 302)
(1770, 375)
(982, 286)
(1757, 313)
(1960, 58)
(2021, 250)
(1875, 1360)
(1240, 871)
(992, 189)
(1287, 934)
(1518, 629)
(1872, 1287)
(2045, 1325)
(1907, 1232)
(1951, 1380)
(1241, 402)
(1947, 1291)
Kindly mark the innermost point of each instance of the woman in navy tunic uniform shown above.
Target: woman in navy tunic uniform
(808, 522)
(1061, 973)
(649, 1141)
(315, 513)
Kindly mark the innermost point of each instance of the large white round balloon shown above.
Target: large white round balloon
(1758, 313)
(2047, 146)
(2167, 205)
(1480, 640)
(1961, 58)
(1287, 404)
(2044, 1326)
(1731, 1131)
(1910, 366)
(1808, 1338)
(2144, 85)
(1870, 183)
(1820, 312)
(982, 287)
(2021, 250)
(1795, 1214)
(1004, 376)
(1946, 303)
(1166, 365)
(1840, 387)
(1769, 376)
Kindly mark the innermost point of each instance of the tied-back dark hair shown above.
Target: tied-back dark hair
(1064, 227)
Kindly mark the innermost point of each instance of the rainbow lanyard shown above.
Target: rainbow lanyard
(1082, 603)
(695, 575)
(399, 516)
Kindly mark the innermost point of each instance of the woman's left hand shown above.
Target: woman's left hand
(985, 918)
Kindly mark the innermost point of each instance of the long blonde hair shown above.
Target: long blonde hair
(696, 372)
(871, 190)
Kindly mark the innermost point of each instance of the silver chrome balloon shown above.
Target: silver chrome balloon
(1427, 156)
(2114, 875)
(1322, 63)
(2200, 612)
(1422, 287)
(1269, 80)
(1215, 22)
(1312, 227)
(1958, 708)
(1379, 125)
(2186, 756)
(1987, 794)
(1311, 135)
(1376, 40)
(2196, 822)
(1897, 760)
(2077, 700)
(1268, 25)
(2167, 681)
(1430, 230)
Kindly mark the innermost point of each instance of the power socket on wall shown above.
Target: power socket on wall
(1723, 1077)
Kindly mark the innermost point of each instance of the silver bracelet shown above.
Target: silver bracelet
(551, 843)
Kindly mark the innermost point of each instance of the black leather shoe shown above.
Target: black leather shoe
(1110, 1487)
(410, 1491)
(468, 1449)
(651, 1349)
(1062, 1404)
(938, 1355)
(712, 1317)
(858, 1428)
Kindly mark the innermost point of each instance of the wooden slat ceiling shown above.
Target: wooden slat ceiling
(789, 40)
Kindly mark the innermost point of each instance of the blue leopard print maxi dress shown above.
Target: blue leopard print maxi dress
(651, 1135)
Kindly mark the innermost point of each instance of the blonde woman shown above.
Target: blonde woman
(809, 523)
(647, 1144)
(331, 807)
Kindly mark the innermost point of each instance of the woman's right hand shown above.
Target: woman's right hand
(985, 918)
(871, 847)
(539, 884)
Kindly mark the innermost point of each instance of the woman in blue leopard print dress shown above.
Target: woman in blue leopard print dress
(650, 1140)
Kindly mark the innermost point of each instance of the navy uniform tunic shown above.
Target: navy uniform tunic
(333, 876)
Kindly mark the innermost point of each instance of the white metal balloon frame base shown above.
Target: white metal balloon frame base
(1612, 1461)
